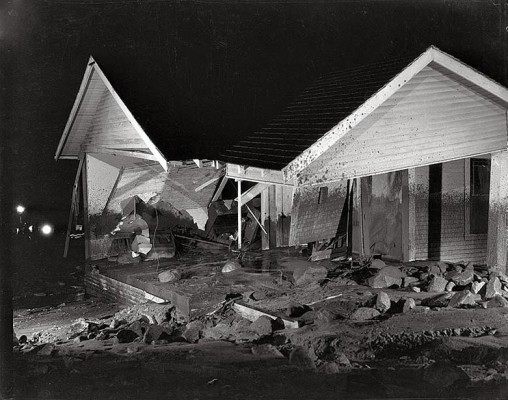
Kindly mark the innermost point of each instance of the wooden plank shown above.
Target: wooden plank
(252, 314)
(239, 215)
(255, 219)
(207, 183)
(411, 222)
(84, 180)
(218, 191)
(405, 216)
(72, 210)
(254, 174)
(264, 219)
(198, 162)
(254, 191)
(113, 191)
(119, 152)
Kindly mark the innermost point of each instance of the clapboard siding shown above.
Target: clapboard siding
(431, 119)
(111, 128)
(456, 242)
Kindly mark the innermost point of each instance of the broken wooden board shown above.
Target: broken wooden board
(321, 255)
(252, 314)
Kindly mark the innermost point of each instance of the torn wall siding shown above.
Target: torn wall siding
(101, 178)
(433, 117)
(316, 212)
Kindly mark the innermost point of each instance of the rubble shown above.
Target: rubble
(437, 284)
(169, 276)
(364, 313)
(493, 288)
(231, 266)
(387, 277)
(383, 302)
(464, 298)
(307, 276)
(497, 301)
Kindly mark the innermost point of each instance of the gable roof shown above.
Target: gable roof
(94, 87)
(335, 104)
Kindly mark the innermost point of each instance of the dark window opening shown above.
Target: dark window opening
(323, 194)
(480, 185)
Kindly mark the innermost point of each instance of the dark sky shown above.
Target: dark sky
(233, 65)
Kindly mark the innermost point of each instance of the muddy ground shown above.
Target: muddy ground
(442, 353)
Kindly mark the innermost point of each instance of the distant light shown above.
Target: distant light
(20, 209)
(31, 228)
(46, 229)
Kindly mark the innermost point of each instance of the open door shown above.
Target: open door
(381, 204)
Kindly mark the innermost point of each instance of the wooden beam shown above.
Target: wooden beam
(405, 216)
(72, 210)
(219, 190)
(86, 224)
(207, 183)
(119, 152)
(411, 235)
(265, 218)
(239, 216)
(255, 219)
(255, 190)
(198, 162)
(113, 191)
(498, 210)
(252, 314)
(253, 174)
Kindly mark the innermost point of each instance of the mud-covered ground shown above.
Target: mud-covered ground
(441, 353)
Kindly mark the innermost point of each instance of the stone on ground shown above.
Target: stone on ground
(307, 276)
(437, 284)
(329, 368)
(383, 302)
(477, 286)
(387, 277)
(266, 350)
(449, 286)
(409, 280)
(263, 326)
(231, 266)
(151, 312)
(465, 277)
(172, 275)
(126, 336)
(408, 304)
(464, 298)
(192, 332)
(342, 360)
(364, 313)
(153, 333)
(497, 301)
(441, 300)
(301, 359)
(377, 263)
(493, 287)
(296, 310)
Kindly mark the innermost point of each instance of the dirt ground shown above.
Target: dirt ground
(444, 353)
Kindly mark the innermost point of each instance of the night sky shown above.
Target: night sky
(232, 65)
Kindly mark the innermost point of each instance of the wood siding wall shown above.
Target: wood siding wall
(313, 220)
(433, 118)
(456, 244)
(111, 128)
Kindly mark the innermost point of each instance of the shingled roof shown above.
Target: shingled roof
(330, 99)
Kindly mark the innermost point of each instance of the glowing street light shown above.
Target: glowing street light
(46, 229)
(20, 209)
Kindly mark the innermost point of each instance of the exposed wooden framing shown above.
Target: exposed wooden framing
(432, 54)
(265, 218)
(405, 216)
(86, 224)
(255, 219)
(254, 174)
(119, 152)
(77, 103)
(365, 215)
(498, 209)
(113, 191)
(72, 210)
(239, 218)
(207, 183)
(198, 162)
(219, 190)
(279, 209)
(252, 314)
(360, 214)
(155, 151)
(249, 194)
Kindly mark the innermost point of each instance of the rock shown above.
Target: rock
(449, 286)
(230, 266)
(466, 277)
(152, 333)
(342, 360)
(77, 328)
(23, 339)
(497, 301)
(126, 336)
(442, 266)
(296, 310)
(300, 358)
(383, 302)
(307, 276)
(364, 313)
(445, 374)
(387, 277)
(437, 284)
(416, 289)
(329, 368)
(408, 304)
(420, 309)
(464, 298)
(138, 327)
(153, 313)
(435, 270)
(258, 295)
(192, 332)
(409, 280)
(266, 350)
(172, 275)
(493, 287)
(441, 300)
(377, 263)
(477, 286)
(46, 349)
(262, 326)
(325, 316)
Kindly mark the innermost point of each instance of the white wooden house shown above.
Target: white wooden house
(417, 146)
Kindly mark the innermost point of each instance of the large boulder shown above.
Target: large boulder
(383, 302)
(437, 284)
(465, 277)
(493, 287)
(387, 277)
(464, 298)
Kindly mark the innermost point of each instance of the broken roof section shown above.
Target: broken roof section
(100, 122)
(334, 105)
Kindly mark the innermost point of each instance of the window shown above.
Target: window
(323, 194)
(480, 184)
